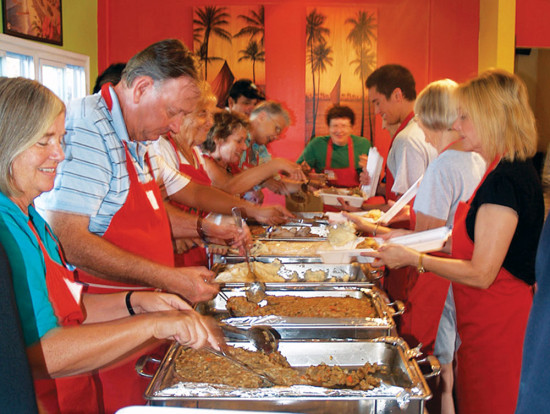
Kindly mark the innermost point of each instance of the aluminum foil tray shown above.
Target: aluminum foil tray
(317, 233)
(382, 324)
(229, 259)
(403, 389)
(312, 272)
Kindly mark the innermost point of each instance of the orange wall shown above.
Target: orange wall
(433, 38)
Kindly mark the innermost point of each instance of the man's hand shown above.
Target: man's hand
(271, 215)
(193, 283)
(183, 245)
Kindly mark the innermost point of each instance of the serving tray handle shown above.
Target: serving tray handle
(142, 363)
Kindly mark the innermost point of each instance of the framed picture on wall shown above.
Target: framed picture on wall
(33, 19)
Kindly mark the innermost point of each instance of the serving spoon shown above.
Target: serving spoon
(263, 338)
(255, 291)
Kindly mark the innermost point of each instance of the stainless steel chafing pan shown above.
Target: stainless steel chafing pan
(403, 388)
(381, 324)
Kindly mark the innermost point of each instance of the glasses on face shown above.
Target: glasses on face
(278, 129)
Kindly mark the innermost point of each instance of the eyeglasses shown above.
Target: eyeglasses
(278, 129)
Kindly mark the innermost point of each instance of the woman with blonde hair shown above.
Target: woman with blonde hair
(66, 332)
(494, 241)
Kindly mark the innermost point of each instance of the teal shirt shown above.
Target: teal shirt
(28, 267)
(315, 153)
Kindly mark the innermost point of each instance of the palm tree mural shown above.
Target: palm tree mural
(366, 63)
(255, 26)
(321, 59)
(315, 35)
(210, 20)
(253, 53)
(361, 36)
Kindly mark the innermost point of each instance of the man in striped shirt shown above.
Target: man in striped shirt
(107, 138)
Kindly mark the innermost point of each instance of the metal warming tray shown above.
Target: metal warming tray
(403, 389)
(317, 233)
(303, 272)
(381, 324)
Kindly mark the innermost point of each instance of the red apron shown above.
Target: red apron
(425, 299)
(491, 324)
(70, 394)
(396, 281)
(344, 177)
(195, 256)
(140, 226)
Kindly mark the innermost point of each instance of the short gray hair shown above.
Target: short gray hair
(27, 111)
(436, 105)
(272, 108)
(167, 59)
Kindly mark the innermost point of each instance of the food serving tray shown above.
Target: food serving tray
(308, 271)
(316, 233)
(231, 259)
(381, 324)
(403, 388)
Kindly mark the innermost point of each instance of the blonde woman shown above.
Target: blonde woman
(495, 236)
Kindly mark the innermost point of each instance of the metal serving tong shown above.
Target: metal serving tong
(255, 291)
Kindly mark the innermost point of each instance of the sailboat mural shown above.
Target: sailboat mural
(229, 42)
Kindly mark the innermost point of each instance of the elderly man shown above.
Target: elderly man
(107, 207)
(268, 120)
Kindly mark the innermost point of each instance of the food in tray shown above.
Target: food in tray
(319, 276)
(284, 248)
(373, 215)
(270, 272)
(287, 233)
(341, 234)
(313, 307)
(368, 243)
(202, 366)
(257, 231)
(265, 272)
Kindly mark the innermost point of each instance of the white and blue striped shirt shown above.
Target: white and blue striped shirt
(93, 180)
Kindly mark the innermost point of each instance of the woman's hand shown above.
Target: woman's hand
(346, 206)
(363, 158)
(394, 256)
(292, 170)
(144, 302)
(188, 328)
(361, 223)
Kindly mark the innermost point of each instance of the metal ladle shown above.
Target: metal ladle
(255, 291)
(264, 338)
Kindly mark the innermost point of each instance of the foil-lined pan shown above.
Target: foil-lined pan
(302, 272)
(403, 387)
(380, 324)
(316, 233)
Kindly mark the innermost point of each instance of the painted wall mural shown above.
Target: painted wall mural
(340, 54)
(229, 42)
